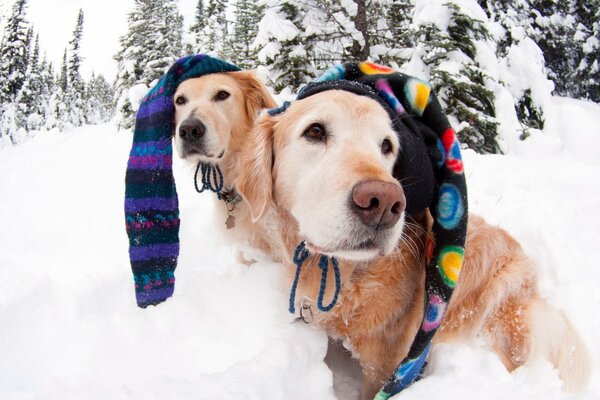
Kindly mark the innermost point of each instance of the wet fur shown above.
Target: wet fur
(381, 303)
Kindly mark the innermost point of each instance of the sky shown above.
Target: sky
(104, 22)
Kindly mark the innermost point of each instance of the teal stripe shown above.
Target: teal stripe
(150, 135)
(150, 189)
(154, 236)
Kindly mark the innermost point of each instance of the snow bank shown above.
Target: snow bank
(70, 328)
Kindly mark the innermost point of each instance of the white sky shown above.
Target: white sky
(104, 22)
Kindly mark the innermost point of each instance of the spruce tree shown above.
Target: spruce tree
(288, 51)
(393, 34)
(153, 42)
(164, 43)
(514, 46)
(99, 97)
(555, 34)
(14, 51)
(29, 100)
(76, 86)
(460, 82)
(587, 75)
(214, 32)
(196, 29)
(63, 78)
(248, 14)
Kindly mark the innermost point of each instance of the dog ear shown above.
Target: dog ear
(255, 182)
(256, 94)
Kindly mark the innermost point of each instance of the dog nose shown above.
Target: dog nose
(377, 203)
(191, 129)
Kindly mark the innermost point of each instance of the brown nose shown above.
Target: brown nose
(378, 204)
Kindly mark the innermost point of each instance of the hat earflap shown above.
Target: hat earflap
(151, 204)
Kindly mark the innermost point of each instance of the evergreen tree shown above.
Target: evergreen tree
(460, 82)
(76, 86)
(214, 33)
(285, 47)
(193, 44)
(555, 34)
(392, 34)
(153, 42)
(248, 14)
(99, 99)
(63, 78)
(14, 51)
(165, 41)
(29, 100)
(587, 75)
(514, 46)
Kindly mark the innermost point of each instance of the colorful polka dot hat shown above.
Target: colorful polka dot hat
(151, 204)
(430, 169)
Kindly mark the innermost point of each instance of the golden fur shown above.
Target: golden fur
(228, 124)
(381, 302)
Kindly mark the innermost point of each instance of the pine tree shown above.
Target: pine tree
(214, 33)
(76, 86)
(515, 47)
(63, 78)
(460, 82)
(196, 29)
(390, 37)
(165, 40)
(248, 14)
(587, 75)
(555, 34)
(29, 100)
(285, 47)
(99, 99)
(152, 43)
(14, 50)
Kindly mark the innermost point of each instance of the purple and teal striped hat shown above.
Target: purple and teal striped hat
(151, 205)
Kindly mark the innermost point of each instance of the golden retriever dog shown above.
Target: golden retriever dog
(214, 116)
(305, 177)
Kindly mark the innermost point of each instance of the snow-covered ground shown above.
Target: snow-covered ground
(70, 329)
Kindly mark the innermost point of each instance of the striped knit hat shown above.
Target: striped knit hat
(151, 206)
(430, 169)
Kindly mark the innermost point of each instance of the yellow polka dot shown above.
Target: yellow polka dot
(451, 259)
(422, 95)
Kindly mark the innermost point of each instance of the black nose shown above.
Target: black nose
(191, 129)
(377, 203)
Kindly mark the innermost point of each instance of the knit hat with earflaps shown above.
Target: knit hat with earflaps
(151, 206)
(430, 170)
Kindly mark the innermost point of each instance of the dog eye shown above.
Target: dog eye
(222, 95)
(386, 146)
(180, 100)
(315, 133)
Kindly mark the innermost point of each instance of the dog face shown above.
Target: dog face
(212, 112)
(328, 160)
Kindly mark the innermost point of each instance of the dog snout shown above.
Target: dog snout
(378, 204)
(192, 129)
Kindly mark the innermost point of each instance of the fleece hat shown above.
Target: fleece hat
(430, 170)
(151, 205)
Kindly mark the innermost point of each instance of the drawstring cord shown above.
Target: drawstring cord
(212, 178)
(300, 255)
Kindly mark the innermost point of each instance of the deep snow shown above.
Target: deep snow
(69, 327)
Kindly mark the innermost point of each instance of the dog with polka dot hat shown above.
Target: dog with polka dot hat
(362, 178)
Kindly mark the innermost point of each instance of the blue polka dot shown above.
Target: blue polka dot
(450, 207)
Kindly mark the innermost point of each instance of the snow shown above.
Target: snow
(71, 329)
